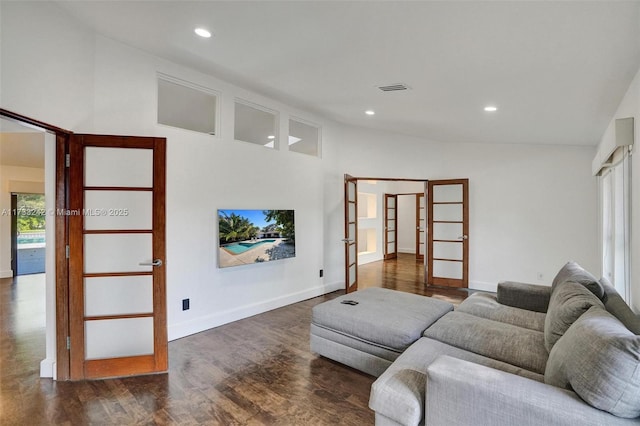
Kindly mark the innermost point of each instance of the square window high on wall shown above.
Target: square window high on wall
(255, 124)
(304, 138)
(187, 106)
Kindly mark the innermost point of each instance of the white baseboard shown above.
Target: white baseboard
(483, 286)
(197, 325)
(6, 274)
(48, 368)
(407, 250)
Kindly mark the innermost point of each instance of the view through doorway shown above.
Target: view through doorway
(23, 280)
(376, 230)
(28, 236)
(390, 229)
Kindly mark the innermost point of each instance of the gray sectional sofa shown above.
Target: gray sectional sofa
(565, 354)
(568, 354)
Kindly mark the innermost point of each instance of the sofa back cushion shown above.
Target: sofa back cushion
(492, 339)
(614, 303)
(599, 358)
(568, 301)
(576, 273)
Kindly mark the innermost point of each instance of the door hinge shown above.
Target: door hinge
(67, 251)
(68, 343)
(67, 160)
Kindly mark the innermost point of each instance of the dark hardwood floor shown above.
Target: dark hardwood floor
(405, 274)
(257, 371)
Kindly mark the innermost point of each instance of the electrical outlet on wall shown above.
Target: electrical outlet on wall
(321, 273)
(185, 304)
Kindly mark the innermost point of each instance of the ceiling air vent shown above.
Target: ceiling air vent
(393, 87)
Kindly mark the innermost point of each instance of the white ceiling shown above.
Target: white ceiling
(555, 69)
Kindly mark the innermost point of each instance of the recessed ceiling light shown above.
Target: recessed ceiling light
(271, 137)
(490, 108)
(202, 32)
(370, 112)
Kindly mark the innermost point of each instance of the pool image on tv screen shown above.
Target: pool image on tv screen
(255, 236)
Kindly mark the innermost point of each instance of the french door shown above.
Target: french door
(448, 232)
(117, 312)
(420, 226)
(351, 233)
(390, 226)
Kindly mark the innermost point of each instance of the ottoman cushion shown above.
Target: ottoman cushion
(388, 318)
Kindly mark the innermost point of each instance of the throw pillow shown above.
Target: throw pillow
(599, 358)
(616, 305)
(576, 273)
(568, 301)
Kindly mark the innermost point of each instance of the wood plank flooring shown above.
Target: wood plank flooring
(257, 371)
(406, 274)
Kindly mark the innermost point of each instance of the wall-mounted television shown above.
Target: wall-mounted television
(255, 236)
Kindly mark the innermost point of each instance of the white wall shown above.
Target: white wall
(206, 173)
(407, 223)
(377, 190)
(42, 46)
(407, 214)
(532, 207)
(21, 176)
(630, 107)
(117, 95)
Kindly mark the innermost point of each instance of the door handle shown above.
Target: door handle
(347, 240)
(156, 262)
(463, 237)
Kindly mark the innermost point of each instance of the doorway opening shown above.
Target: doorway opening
(383, 230)
(28, 236)
(392, 220)
(27, 192)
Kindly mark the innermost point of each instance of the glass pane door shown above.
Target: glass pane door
(117, 313)
(448, 240)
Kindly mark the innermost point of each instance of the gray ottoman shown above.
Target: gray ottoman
(371, 334)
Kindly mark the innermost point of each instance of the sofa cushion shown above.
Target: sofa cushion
(504, 342)
(576, 273)
(568, 301)
(599, 358)
(531, 297)
(615, 305)
(486, 306)
(399, 393)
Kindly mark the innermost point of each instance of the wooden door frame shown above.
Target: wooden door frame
(417, 223)
(61, 238)
(14, 234)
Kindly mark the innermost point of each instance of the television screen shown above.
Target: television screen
(255, 236)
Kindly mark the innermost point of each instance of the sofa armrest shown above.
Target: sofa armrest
(463, 393)
(531, 297)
